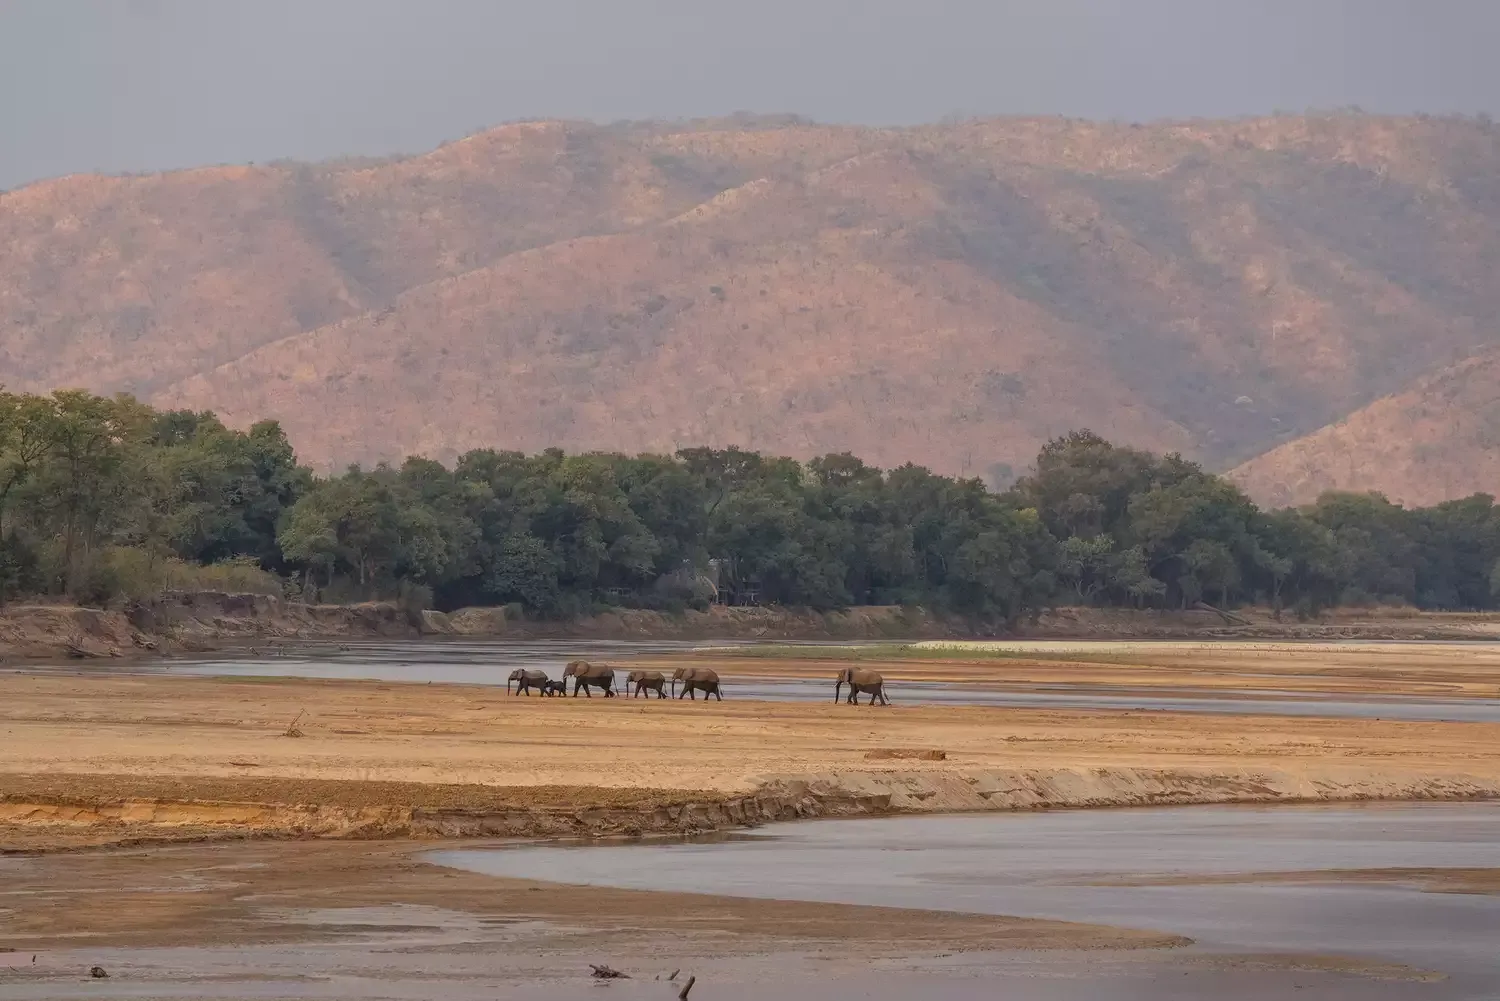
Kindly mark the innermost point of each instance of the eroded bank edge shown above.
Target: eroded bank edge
(32, 820)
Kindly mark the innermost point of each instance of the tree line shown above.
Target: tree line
(104, 499)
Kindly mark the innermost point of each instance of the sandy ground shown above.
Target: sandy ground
(363, 732)
(85, 757)
(1228, 668)
(90, 761)
(1430, 880)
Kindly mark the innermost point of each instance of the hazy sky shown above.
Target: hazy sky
(120, 85)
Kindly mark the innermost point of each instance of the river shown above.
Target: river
(1059, 865)
(489, 662)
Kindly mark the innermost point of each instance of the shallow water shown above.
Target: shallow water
(1025, 864)
(490, 662)
(1042, 865)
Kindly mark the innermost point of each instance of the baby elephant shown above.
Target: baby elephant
(554, 688)
(647, 681)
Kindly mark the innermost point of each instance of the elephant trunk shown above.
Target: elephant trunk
(837, 687)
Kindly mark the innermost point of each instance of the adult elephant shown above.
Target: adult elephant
(696, 679)
(859, 680)
(588, 676)
(646, 681)
(527, 680)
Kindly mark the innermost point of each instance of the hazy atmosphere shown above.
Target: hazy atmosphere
(153, 84)
(536, 437)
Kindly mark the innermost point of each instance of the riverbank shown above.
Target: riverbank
(206, 620)
(91, 759)
(186, 621)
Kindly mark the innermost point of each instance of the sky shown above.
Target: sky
(131, 85)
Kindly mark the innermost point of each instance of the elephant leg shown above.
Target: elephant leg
(716, 694)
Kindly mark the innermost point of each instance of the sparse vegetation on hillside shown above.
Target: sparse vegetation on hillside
(956, 294)
(104, 499)
(1437, 439)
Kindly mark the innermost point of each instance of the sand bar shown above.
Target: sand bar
(117, 756)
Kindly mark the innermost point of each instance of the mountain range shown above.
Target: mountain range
(1308, 302)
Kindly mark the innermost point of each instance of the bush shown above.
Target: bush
(237, 575)
(101, 579)
(132, 573)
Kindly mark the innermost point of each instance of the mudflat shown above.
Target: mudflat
(216, 894)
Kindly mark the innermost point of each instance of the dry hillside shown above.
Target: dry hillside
(946, 294)
(1437, 440)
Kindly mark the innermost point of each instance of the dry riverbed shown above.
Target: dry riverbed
(144, 813)
(110, 757)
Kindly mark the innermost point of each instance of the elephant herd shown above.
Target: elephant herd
(586, 677)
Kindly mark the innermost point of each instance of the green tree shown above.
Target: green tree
(353, 523)
(1299, 561)
(524, 570)
(1086, 565)
(1377, 555)
(1195, 534)
(89, 436)
(27, 428)
(1131, 577)
(1084, 485)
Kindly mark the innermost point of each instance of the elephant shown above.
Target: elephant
(586, 676)
(861, 679)
(647, 681)
(555, 688)
(526, 681)
(696, 679)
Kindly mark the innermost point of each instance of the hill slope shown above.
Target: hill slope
(1434, 441)
(946, 294)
